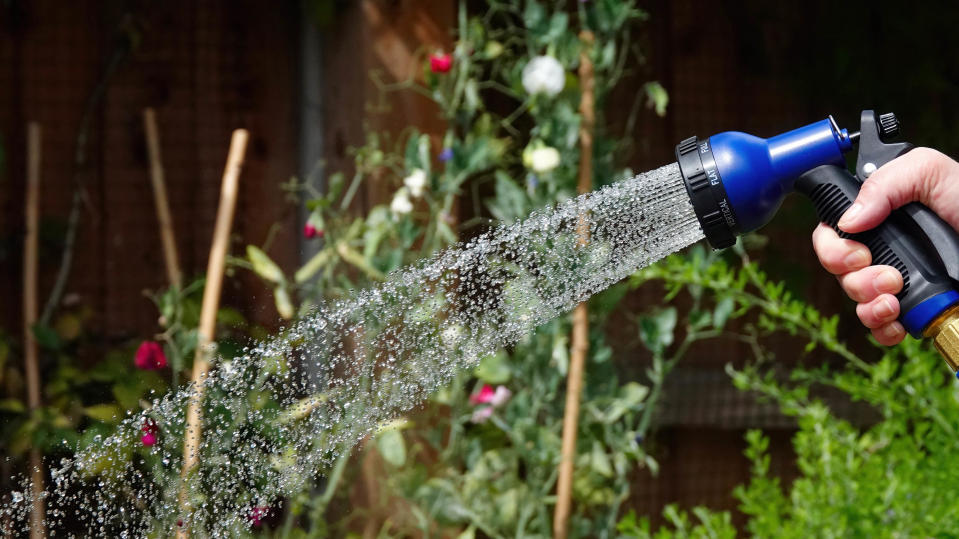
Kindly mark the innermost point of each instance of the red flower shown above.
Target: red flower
(310, 231)
(441, 62)
(150, 431)
(258, 514)
(485, 395)
(149, 356)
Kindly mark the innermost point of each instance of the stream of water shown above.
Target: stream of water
(357, 364)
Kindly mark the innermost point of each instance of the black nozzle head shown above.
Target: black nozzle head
(706, 191)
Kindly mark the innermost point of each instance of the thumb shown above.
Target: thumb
(908, 178)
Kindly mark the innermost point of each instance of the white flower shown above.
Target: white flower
(452, 335)
(416, 182)
(401, 204)
(500, 397)
(543, 159)
(544, 75)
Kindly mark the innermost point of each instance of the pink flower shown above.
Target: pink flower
(258, 514)
(494, 398)
(310, 231)
(149, 356)
(484, 396)
(441, 62)
(487, 395)
(481, 414)
(150, 431)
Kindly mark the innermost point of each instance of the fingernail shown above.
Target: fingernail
(850, 216)
(883, 309)
(857, 259)
(887, 282)
(894, 329)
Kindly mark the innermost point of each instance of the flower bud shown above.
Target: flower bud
(441, 62)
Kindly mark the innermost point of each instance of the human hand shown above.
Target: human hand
(923, 175)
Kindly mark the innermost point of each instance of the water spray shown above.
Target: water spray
(737, 181)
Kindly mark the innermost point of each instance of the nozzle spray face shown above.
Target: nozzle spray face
(706, 192)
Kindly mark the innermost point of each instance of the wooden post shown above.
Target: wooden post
(31, 356)
(580, 339)
(193, 433)
(160, 198)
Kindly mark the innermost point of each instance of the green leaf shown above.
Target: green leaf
(606, 301)
(313, 265)
(12, 405)
(301, 409)
(699, 319)
(534, 16)
(560, 355)
(284, 305)
(46, 337)
(507, 506)
(263, 266)
(230, 317)
(494, 369)
(630, 396)
(557, 26)
(652, 464)
(335, 185)
(656, 97)
(350, 255)
(510, 202)
(599, 460)
(424, 159)
(656, 331)
(723, 309)
(445, 232)
(108, 413)
(392, 446)
(471, 97)
(128, 393)
(633, 393)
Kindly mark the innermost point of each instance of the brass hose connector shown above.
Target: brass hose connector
(945, 332)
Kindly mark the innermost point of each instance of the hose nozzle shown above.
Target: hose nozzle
(737, 181)
(944, 331)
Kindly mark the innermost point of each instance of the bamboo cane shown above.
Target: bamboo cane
(31, 357)
(160, 197)
(192, 434)
(580, 338)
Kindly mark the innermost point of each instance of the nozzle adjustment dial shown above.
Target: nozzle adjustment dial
(888, 126)
(706, 192)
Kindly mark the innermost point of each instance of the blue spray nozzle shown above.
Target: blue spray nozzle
(737, 181)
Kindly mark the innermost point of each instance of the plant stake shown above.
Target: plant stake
(192, 434)
(31, 357)
(580, 338)
(162, 203)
